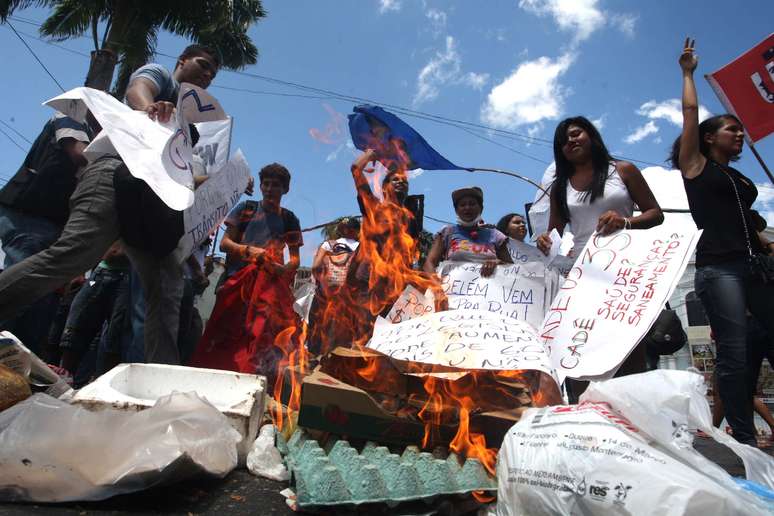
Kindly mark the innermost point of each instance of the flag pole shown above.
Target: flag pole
(763, 163)
(507, 173)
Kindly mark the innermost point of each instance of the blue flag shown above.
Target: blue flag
(372, 126)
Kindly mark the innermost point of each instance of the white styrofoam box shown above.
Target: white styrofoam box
(240, 397)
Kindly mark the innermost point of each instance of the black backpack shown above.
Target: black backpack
(144, 220)
(667, 335)
(44, 183)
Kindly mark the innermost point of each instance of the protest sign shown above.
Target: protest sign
(214, 200)
(159, 154)
(524, 253)
(411, 303)
(214, 144)
(516, 291)
(611, 297)
(464, 339)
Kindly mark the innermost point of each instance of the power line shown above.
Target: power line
(20, 135)
(332, 95)
(34, 55)
(13, 141)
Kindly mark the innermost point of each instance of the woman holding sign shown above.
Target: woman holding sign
(469, 240)
(728, 278)
(592, 192)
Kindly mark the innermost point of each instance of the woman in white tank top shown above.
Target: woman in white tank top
(592, 191)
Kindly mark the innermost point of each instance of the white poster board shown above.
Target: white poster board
(159, 154)
(214, 144)
(411, 303)
(214, 200)
(465, 339)
(611, 297)
(516, 291)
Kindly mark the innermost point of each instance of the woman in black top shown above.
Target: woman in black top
(720, 198)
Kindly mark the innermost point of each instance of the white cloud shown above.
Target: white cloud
(599, 123)
(625, 23)
(640, 133)
(765, 202)
(437, 19)
(530, 94)
(445, 67)
(669, 110)
(389, 5)
(581, 17)
(475, 80)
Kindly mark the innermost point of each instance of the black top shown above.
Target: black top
(715, 209)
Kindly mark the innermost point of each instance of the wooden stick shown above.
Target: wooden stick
(763, 164)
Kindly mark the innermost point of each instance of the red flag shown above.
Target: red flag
(745, 87)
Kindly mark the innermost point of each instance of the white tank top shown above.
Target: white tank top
(584, 214)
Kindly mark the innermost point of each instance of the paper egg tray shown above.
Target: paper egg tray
(339, 474)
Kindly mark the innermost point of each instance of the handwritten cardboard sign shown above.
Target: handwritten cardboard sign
(464, 339)
(524, 253)
(516, 291)
(214, 200)
(611, 297)
(159, 154)
(411, 303)
(214, 144)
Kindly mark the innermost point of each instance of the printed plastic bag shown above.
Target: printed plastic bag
(625, 449)
(51, 451)
(264, 459)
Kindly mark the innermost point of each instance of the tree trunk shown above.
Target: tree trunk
(103, 63)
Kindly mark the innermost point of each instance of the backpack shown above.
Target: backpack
(44, 183)
(667, 335)
(145, 221)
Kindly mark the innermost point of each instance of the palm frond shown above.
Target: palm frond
(7, 7)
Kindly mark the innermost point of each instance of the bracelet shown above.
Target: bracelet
(627, 223)
(246, 252)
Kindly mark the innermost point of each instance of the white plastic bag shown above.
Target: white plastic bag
(264, 459)
(54, 452)
(625, 449)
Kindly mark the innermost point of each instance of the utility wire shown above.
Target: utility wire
(332, 95)
(34, 55)
(20, 135)
(13, 141)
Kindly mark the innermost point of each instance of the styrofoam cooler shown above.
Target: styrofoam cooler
(240, 397)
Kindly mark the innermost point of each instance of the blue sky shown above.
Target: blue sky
(508, 64)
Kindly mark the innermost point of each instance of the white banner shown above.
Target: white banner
(524, 253)
(214, 200)
(516, 291)
(214, 144)
(411, 303)
(465, 339)
(159, 154)
(611, 297)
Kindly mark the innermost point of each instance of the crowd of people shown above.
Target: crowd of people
(61, 215)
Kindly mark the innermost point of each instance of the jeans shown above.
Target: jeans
(91, 308)
(162, 282)
(22, 236)
(90, 230)
(727, 292)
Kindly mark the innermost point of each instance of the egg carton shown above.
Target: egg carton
(339, 474)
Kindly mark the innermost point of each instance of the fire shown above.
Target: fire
(292, 356)
(378, 275)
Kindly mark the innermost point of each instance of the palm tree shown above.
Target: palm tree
(130, 30)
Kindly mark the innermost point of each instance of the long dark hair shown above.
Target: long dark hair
(600, 159)
(502, 224)
(709, 126)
